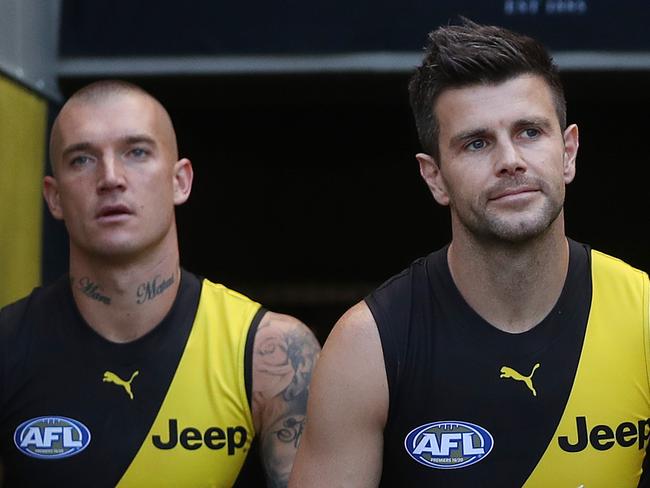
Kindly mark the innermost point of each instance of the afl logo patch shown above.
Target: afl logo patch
(51, 437)
(448, 444)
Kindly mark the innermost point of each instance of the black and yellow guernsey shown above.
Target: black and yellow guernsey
(566, 404)
(169, 409)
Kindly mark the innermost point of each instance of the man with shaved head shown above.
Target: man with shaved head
(130, 370)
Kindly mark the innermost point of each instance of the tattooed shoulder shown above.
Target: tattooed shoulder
(284, 354)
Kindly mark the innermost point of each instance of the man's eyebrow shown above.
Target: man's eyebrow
(138, 138)
(78, 147)
(540, 121)
(463, 136)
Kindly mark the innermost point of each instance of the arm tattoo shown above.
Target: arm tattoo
(286, 359)
(91, 290)
(291, 430)
(151, 289)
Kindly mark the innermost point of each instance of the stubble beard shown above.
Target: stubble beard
(487, 225)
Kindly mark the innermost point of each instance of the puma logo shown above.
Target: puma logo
(507, 372)
(110, 377)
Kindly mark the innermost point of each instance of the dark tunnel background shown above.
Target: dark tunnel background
(307, 194)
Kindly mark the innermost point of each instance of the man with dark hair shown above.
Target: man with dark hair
(513, 356)
(130, 370)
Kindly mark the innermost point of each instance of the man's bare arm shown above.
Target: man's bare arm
(284, 354)
(348, 405)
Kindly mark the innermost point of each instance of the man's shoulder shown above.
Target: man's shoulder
(38, 299)
(357, 319)
(280, 320)
(219, 304)
(419, 267)
(392, 301)
(614, 265)
(15, 309)
(11, 317)
(32, 317)
(285, 331)
(355, 336)
(20, 323)
(602, 261)
(225, 294)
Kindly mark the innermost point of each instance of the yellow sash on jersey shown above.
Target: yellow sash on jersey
(610, 398)
(204, 428)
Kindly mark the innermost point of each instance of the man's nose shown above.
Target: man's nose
(111, 174)
(509, 158)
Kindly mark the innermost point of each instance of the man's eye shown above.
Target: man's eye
(476, 145)
(531, 133)
(79, 160)
(138, 153)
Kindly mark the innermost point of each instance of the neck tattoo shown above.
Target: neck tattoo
(151, 289)
(91, 290)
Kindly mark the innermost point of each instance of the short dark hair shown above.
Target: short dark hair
(471, 53)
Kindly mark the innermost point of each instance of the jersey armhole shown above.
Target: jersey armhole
(646, 333)
(389, 349)
(248, 355)
(12, 321)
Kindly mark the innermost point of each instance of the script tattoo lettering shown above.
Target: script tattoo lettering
(151, 289)
(90, 289)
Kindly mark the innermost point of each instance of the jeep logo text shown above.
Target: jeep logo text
(192, 438)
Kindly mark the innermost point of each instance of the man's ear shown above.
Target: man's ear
(51, 195)
(183, 176)
(571, 143)
(430, 172)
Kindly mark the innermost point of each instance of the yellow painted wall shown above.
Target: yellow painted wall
(23, 122)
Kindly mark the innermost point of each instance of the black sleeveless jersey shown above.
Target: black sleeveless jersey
(565, 404)
(171, 408)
